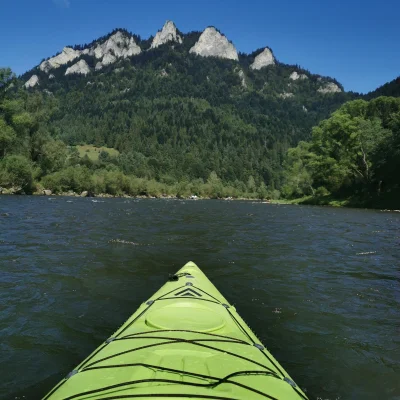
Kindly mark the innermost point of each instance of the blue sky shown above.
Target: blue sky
(355, 41)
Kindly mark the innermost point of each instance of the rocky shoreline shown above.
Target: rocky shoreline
(70, 193)
(49, 193)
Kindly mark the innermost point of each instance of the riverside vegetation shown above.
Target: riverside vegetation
(353, 157)
(171, 123)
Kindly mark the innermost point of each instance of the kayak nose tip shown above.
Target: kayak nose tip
(190, 268)
(190, 264)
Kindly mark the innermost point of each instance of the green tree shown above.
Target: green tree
(73, 157)
(17, 172)
(262, 191)
(298, 175)
(371, 137)
(6, 75)
(7, 137)
(214, 185)
(251, 184)
(104, 156)
(54, 156)
(350, 151)
(24, 124)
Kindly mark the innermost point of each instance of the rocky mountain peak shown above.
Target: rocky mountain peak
(81, 67)
(213, 44)
(264, 59)
(116, 46)
(167, 34)
(68, 54)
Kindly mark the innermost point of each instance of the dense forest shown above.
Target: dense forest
(185, 125)
(391, 89)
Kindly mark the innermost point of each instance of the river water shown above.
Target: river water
(319, 286)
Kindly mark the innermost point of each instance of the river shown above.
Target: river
(319, 286)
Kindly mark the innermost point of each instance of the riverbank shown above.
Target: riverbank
(386, 202)
(116, 184)
(49, 193)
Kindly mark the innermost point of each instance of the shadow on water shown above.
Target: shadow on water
(318, 286)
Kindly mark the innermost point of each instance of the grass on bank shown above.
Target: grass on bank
(93, 152)
(318, 201)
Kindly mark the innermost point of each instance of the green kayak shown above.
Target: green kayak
(186, 341)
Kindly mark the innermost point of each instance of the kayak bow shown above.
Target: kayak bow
(186, 341)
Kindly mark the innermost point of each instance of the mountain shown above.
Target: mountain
(181, 106)
(120, 44)
(388, 89)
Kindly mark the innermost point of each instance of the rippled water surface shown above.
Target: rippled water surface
(319, 286)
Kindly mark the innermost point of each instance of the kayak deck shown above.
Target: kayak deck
(186, 341)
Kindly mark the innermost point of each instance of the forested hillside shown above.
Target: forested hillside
(181, 122)
(391, 88)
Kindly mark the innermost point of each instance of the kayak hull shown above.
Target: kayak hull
(186, 341)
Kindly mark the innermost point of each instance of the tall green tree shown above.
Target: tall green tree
(16, 171)
(6, 75)
(7, 137)
(356, 149)
(298, 175)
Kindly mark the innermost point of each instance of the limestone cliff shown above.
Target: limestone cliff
(330, 87)
(68, 54)
(81, 67)
(263, 60)
(33, 81)
(166, 35)
(294, 76)
(242, 77)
